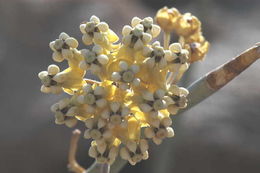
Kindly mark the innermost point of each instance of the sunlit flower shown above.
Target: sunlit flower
(157, 56)
(63, 47)
(135, 37)
(168, 19)
(126, 76)
(133, 100)
(93, 59)
(97, 32)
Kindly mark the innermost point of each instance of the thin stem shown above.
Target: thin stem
(105, 168)
(73, 164)
(166, 39)
(91, 81)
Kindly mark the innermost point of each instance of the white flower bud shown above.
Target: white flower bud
(144, 145)
(63, 36)
(72, 42)
(42, 74)
(87, 134)
(126, 30)
(135, 21)
(101, 123)
(145, 107)
(170, 132)
(105, 114)
(115, 76)
(102, 148)
(127, 40)
(101, 103)
(123, 65)
(87, 40)
(94, 19)
(149, 133)
(67, 53)
(136, 82)
(53, 69)
(56, 56)
(124, 153)
(92, 152)
(45, 89)
(71, 122)
(135, 68)
(166, 121)
(89, 123)
(103, 27)
(159, 93)
(95, 134)
(157, 141)
(114, 106)
(155, 30)
(103, 59)
(150, 62)
(148, 96)
(132, 146)
(97, 49)
(175, 47)
(82, 28)
(139, 44)
(146, 38)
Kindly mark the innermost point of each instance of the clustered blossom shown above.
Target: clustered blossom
(188, 27)
(132, 102)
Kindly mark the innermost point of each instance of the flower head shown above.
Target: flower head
(132, 102)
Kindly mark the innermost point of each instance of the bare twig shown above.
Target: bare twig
(73, 164)
(216, 79)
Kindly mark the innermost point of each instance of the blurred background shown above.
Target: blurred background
(222, 134)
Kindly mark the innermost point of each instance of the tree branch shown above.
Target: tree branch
(219, 77)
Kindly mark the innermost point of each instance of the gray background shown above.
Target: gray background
(222, 134)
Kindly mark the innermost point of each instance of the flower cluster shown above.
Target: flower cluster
(188, 27)
(132, 102)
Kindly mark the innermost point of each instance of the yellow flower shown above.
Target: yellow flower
(197, 46)
(133, 93)
(168, 19)
(188, 25)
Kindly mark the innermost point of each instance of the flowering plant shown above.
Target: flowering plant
(137, 92)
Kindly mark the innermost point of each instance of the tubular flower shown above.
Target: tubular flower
(135, 152)
(116, 115)
(188, 28)
(50, 80)
(97, 129)
(160, 130)
(176, 98)
(153, 102)
(157, 56)
(135, 37)
(168, 19)
(103, 152)
(133, 95)
(63, 47)
(97, 32)
(93, 59)
(126, 76)
(65, 111)
(149, 27)
(93, 97)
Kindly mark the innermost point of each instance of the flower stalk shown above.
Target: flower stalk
(73, 164)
